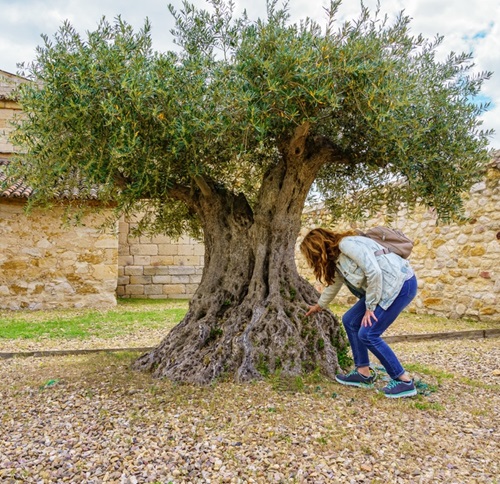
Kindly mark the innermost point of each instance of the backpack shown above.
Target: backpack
(391, 239)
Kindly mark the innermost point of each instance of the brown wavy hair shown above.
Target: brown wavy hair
(320, 247)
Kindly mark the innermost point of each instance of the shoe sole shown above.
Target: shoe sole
(354, 384)
(408, 393)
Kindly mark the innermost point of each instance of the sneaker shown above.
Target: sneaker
(399, 389)
(355, 379)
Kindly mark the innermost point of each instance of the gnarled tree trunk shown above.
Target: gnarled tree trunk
(247, 316)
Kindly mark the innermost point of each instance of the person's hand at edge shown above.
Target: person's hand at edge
(367, 318)
(314, 309)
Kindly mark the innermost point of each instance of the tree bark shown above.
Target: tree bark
(246, 319)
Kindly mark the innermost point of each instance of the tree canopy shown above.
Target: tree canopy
(218, 109)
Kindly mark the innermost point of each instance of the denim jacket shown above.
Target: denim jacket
(381, 277)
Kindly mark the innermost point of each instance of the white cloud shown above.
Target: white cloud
(24, 22)
(459, 21)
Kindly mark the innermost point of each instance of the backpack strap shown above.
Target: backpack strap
(382, 251)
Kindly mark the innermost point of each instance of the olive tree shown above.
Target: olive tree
(225, 135)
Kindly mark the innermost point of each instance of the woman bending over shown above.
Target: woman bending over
(384, 283)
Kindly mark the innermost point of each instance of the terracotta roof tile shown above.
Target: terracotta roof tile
(18, 189)
(14, 189)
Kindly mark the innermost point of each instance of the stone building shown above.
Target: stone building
(157, 267)
(44, 264)
(9, 108)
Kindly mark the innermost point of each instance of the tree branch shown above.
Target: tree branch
(183, 194)
(298, 142)
(326, 150)
(203, 186)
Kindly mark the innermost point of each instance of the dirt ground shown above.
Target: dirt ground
(90, 419)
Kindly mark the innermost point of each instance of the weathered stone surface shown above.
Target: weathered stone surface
(174, 289)
(134, 289)
(171, 267)
(141, 280)
(47, 265)
(134, 270)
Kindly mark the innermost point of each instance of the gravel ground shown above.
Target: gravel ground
(90, 419)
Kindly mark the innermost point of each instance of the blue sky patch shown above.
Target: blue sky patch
(482, 99)
(481, 34)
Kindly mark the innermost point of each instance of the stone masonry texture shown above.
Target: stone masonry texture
(157, 267)
(45, 265)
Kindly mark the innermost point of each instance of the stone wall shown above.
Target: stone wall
(157, 267)
(44, 265)
(8, 110)
(457, 265)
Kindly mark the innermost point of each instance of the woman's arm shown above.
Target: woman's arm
(327, 296)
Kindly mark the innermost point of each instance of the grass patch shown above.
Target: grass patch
(478, 384)
(312, 383)
(130, 315)
(439, 375)
(135, 315)
(425, 405)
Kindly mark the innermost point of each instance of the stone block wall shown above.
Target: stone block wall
(457, 265)
(44, 265)
(157, 267)
(8, 110)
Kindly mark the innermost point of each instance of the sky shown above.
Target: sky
(466, 26)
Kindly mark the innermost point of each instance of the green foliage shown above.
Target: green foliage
(107, 111)
(282, 383)
(344, 358)
(479, 384)
(215, 333)
(311, 382)
(341, 343)
(425, 406)
(439, 374)
(262, 366)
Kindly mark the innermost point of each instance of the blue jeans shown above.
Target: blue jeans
(363, 338)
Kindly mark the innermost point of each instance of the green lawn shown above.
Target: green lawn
(129, 316)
